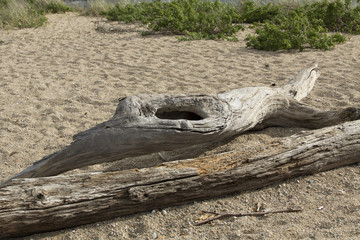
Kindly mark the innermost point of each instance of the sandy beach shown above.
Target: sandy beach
(65, 77)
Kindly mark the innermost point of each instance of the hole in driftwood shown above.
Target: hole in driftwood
(176, 114)
(40, 196)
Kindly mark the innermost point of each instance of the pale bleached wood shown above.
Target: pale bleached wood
(32, 205)
(147, 124)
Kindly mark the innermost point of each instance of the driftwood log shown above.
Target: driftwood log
(36, 201)
(32, 205)
(147, 124)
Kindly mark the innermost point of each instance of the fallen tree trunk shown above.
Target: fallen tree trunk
(32, 205)
(147, 124)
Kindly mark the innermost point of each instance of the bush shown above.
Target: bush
(195, 19)
(307, 26)
(337, 16)
(293, 32)
(56, 7)
(98, 7)
(209, 20)
(20, 14)
(251, 13)
(28, 13)
(3, 3)
(130, 13)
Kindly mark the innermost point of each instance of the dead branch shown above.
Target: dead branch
(256, 214)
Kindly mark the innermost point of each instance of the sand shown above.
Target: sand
(66, 77)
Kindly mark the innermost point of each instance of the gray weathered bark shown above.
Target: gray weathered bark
(32, 205)
(146, 124)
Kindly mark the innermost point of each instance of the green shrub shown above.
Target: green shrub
(195, 19)
(209, 20)
(293, 32)
(337, 16)
(3, 3)
(56, 7)
(141, 12)
(250, 12)
(307, 26)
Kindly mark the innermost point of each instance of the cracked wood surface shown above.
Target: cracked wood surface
(145, 124)
(32, 205)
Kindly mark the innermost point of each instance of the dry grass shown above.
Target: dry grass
(97, 7)
(18, 14)
(23, 14)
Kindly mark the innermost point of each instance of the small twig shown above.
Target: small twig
(223, 215)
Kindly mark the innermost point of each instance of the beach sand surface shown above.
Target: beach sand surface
(66, 77)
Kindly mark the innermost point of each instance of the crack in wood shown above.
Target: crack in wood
(30, 198)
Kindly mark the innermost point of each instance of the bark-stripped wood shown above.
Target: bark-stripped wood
(32, 205)
(146, 124)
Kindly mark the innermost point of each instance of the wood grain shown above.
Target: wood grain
(147, 124)
(32, 205)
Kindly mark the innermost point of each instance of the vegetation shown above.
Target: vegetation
(250, 12)
(337, 16)
(294, 31)
(28, 13)
(130, 13)
(51, 6)
(307, 26)
(100, 7)
(278, 26)
(195, 19)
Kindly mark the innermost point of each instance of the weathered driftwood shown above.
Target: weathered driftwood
(32, 205)
(153, 123)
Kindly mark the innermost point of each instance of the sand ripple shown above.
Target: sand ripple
(65, 77)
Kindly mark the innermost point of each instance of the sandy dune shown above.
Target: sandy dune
(65, 77)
